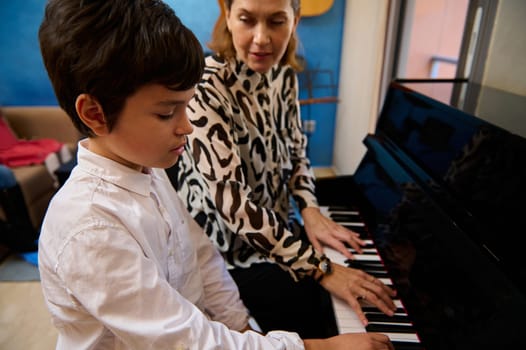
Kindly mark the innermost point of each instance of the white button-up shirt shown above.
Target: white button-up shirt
(123, 266)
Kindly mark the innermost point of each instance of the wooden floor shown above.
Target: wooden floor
(323, 172)
(24, 320)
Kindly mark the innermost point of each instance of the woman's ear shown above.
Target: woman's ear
(91, 113)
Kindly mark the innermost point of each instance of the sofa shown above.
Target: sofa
(36, 183)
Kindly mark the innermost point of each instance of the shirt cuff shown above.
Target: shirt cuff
(287, 340)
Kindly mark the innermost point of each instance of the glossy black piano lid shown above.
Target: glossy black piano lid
(475, 169)
(445, 195)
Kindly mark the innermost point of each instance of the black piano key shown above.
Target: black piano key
(376, 273)
(358, 229)
(345, 217)
(364, 252)
(381, 317)
(363, 265)
(389, 328)
(373, 271)
(406, 345)
(365, 309)
(341, 208)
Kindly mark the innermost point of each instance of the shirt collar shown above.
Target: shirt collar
(113, 172)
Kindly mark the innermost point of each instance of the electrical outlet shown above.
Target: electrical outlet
(309, 126)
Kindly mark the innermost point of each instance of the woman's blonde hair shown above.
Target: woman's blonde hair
(223, 45)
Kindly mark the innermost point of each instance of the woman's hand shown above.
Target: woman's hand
(322, 230)
(353, 285)
(354, 341)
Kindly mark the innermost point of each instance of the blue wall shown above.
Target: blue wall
(24, 81)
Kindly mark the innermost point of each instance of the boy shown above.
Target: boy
(122, 264)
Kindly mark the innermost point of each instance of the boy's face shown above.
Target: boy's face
(150, 131)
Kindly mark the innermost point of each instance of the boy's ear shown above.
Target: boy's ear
(91, 113)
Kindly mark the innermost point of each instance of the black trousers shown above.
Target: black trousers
(17, 231)
(277, 302)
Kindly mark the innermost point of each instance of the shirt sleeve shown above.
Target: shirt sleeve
(218, 161)
(221, 296)
(108, 277)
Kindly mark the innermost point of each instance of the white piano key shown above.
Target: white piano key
(335, 256)
(351, 223)
(339, 258)
(348, 322)
(386, 281)
(327, 211)
(346, 318)
(366, 257)
(364, 250)
(408, 337)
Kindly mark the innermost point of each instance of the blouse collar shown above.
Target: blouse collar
(252, 80)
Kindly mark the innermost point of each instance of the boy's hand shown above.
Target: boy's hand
(354, 341)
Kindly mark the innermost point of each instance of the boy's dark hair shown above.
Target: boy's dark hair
(110, 48)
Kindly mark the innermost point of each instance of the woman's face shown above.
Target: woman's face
(261, 31)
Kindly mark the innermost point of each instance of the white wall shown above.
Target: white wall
(360, 76)
(362, 61)
(506, 61)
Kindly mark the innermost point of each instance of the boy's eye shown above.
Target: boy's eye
(165, 116)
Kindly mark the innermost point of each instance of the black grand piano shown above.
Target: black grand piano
(442, 195)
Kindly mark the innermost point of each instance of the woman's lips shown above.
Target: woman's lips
(260, 54)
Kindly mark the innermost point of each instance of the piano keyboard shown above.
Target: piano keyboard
(399, 327)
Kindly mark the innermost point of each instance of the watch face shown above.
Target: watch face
(325, 267)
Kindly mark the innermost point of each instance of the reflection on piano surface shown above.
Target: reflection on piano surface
(441, 195)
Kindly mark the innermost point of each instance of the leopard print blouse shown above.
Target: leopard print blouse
(244, 161)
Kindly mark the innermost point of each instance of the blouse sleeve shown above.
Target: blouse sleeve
(218, 161)
(301, 183)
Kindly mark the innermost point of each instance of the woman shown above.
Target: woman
(248, 159)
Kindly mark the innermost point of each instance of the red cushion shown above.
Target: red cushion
(28, 152)
(7, 138)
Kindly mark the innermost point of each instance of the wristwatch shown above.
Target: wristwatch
(325, 267)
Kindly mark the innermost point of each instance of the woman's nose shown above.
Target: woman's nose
(261, 35)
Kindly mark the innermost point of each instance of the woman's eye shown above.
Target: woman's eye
(245, 19)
